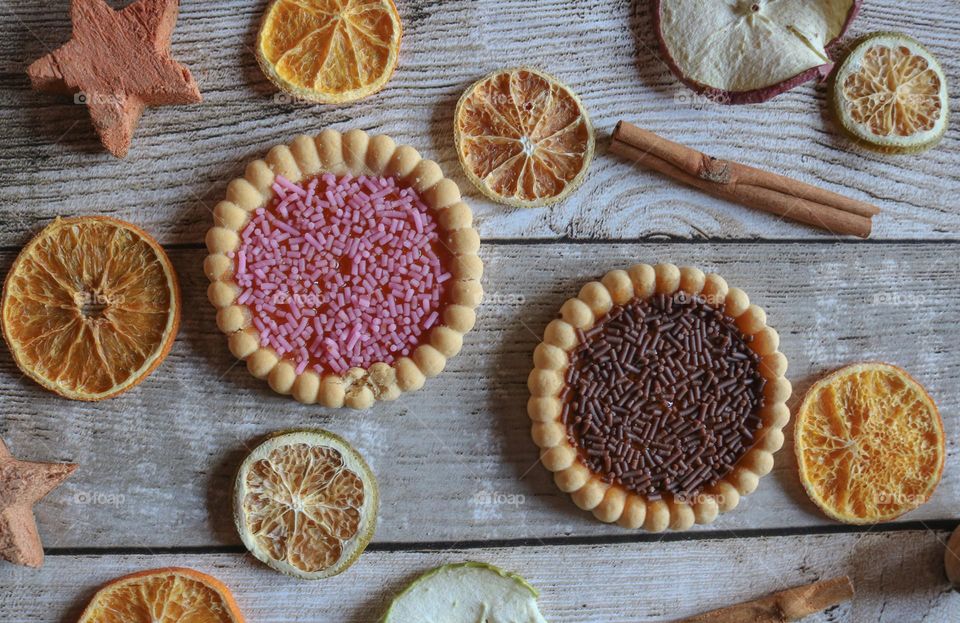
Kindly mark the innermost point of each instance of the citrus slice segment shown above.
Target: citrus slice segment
(91, 307)
(748, 51)
(524, 139)
(305, 503)
(869, 443)
(466, 593)
(890, 95)
(330, 51)
(169, 595)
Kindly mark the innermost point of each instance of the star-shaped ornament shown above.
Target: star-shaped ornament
(118, 63)
(22, 484)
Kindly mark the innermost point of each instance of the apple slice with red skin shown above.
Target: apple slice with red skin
(748, 51)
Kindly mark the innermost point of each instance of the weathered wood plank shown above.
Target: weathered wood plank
(50, 162)
(455, 460)
(898, 577)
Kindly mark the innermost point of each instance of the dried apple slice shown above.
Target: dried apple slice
(466, 592)
(748, 51)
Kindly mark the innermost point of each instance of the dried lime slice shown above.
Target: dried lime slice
(466, 593)
(890, 94)
(747, 51)
(305, 503)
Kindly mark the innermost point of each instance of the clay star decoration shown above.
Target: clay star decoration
(22, 484)
(118, 63)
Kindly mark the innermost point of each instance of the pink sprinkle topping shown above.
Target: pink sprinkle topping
(342, 272)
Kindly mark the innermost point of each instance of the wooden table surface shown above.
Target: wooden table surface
(458, 472)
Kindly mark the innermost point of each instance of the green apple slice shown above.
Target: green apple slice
(468, 592)
(747, 51)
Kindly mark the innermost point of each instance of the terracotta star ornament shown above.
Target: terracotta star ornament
(23, 484)
(118, 63)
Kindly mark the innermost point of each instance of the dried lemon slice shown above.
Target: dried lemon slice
(869, 443)
(305, 503)
(890, 95)
(524, 138)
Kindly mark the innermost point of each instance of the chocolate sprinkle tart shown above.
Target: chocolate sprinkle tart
(662, 396)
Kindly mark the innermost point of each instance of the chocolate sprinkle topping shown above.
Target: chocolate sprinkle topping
(662, 396)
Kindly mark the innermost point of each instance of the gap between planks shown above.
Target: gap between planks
(898, 576)
(638, 537)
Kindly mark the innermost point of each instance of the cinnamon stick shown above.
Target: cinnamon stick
(789, 605)
(754, 188)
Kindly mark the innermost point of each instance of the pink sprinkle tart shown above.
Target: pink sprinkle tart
(342, 272)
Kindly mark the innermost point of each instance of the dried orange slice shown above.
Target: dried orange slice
(523, 138)
(91, 307)
(305, 503)
(870, 443)
(169, 595)
(890, 95)
(330, 51)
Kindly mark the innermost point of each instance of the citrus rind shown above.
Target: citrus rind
(934, 97)
(353, 545)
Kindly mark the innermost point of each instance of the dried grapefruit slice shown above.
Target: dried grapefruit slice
(91, 307)
(748, 51)
(330, 51)
(169, 595)
(305, 503)
(870, 443)
(890, 95)
(523, 138)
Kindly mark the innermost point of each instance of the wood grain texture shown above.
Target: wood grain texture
(898, 578)
(182, 157)
(455, 461)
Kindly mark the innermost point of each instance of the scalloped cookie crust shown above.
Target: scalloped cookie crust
(613, 503)
(357, 153)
